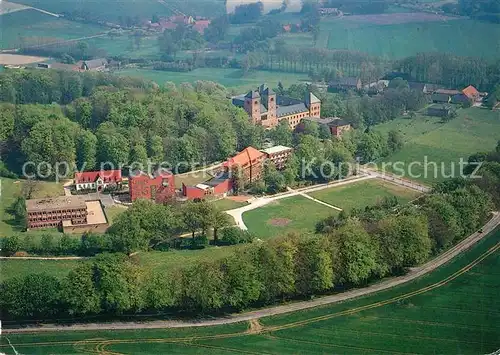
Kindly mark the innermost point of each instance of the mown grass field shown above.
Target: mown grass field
(231, 78)
(452, 310)
(30, 27)
(474, 130)
(293, 214)
(364, 193)
(10, 190)
(299, 214)
(392, 41)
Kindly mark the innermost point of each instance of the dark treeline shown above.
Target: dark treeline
(353, 251)
(451, 71)
(484, 10)
(360, 7)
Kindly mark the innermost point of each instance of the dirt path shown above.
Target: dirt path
(254, 315)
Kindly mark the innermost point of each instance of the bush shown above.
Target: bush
(234, 235)
(10, 245)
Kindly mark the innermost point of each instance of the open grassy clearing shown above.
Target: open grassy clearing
(20, 267)
(474, 130)
(404, 39)
(363, 193)
(231, 78)
(112, 212)
(298, 214)
(154, 260)
(456, 316)
(30, 27)
(293, 214)
(10, 190)
(226, 204)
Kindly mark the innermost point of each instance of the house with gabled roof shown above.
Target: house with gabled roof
(99, 64)
(97, 180)
(345, 84)
(266, 108)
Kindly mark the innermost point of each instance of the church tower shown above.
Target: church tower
(252, 106)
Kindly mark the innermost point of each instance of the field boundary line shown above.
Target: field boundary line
(415, 273)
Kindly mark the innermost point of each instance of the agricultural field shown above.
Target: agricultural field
(230, 78)
(113, 10)
(474, 130)
(364, 193)
(392, 37)
(451, 310)
(10, 189)
(30, 27)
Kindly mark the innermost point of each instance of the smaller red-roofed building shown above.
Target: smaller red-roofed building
(97, 180)
(201, 25)
(248, 163)
(219, 186)
(471, 92)
(159, 187)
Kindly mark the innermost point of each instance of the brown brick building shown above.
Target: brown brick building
(279, 155)
(159, 187)
(266, 108)
(71, 213)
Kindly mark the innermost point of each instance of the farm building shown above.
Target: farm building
(345, 84)
(279, 155)
(93, 65)
(439, 110)
(97, 180)
(267, 109)
(159, 187)
(335, 125)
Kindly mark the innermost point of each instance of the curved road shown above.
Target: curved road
(388, 283)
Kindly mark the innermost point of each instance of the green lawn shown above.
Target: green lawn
(401, 40)
(10, 189)
(113, 212)
(435, 314)
(293, 214)
(231, 78)
(444, 144)
(299, 214)
(167, 260)
(30, 27)
(226, 204)
(19, 267)
(364, 193)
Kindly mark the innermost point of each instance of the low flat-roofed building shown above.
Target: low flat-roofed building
(96, 220)
(279, 155)
(52, 211)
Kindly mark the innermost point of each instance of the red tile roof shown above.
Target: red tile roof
(244, 157)
(471, 92)
(92, 176)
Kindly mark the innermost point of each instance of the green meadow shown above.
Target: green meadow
(435, 148)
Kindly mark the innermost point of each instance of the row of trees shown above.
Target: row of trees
(451, 71)
(356, 249)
